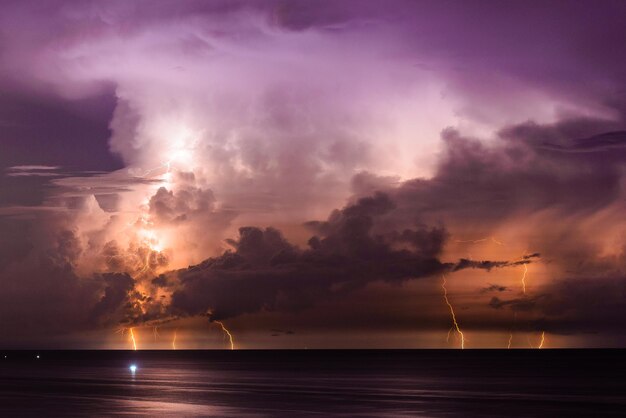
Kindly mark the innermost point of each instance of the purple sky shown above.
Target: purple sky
(312, 167)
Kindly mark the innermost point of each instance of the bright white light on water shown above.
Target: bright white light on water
(133, 368)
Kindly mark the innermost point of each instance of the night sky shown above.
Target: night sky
(321, 174)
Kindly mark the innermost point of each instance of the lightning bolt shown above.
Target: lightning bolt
(166, 165)
(456, 324)
(174, 340)
(226, 332)
(132, 338)
(496, 241)
(476, 241)
(523, 283)
(524, 278)
(543, 339)
(146, 265)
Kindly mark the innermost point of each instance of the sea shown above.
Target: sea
(314, 383)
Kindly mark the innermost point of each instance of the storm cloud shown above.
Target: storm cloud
(227, 159)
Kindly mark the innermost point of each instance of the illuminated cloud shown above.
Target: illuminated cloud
(170, 159)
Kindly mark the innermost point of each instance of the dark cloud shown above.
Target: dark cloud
(383, 237)
(117, 293)
(519, 304)
(573, 306)
(489, 265)
(585, 304)
(267, 272)
(351, 249)
(43, 297)
(487, 183)
(494, 288)
(610, 141)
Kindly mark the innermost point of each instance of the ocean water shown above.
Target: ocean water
(323, 383)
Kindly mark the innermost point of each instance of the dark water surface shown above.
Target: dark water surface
(431, 383)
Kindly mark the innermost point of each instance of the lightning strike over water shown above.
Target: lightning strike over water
(226, 332)
(543, 339)
(510, 340)
(174, 340)
(132, 338)
(456, 324)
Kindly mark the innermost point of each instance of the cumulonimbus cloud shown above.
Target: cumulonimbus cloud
(246, 113)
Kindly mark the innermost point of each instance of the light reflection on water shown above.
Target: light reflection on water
(315, 383)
